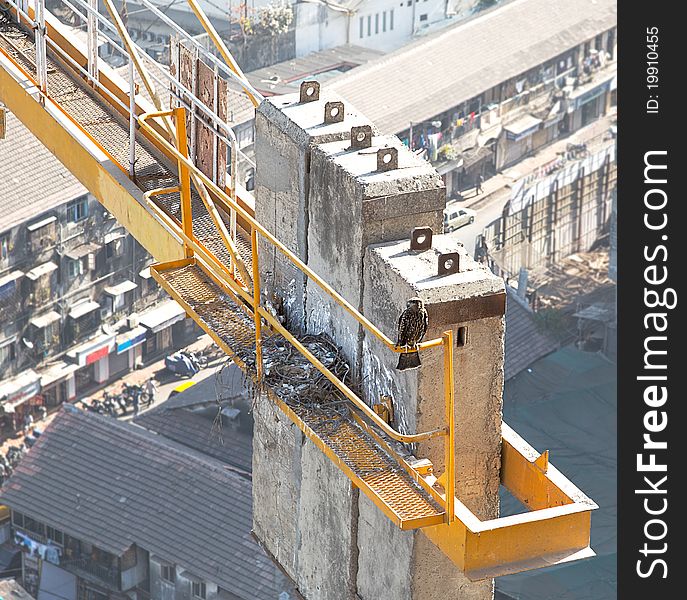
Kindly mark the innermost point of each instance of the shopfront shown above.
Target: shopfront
(128, 350)
(517, 140)
(159, 323)
(58, 383)
(92, 359)
(18, 396)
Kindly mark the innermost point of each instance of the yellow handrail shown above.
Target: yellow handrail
(366, 323)
(228, 278)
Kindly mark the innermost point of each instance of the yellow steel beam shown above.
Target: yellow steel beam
(184, 178)
(450, 442)
(78, 152)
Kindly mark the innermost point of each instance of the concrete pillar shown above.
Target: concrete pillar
(71, 387)
(102, 369)
(353, 204)
(472, 304)
(294, 515)
(286, 130)
(343, 214)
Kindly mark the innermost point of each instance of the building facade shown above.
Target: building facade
(485, 106)
(133, 516)
(76, 296)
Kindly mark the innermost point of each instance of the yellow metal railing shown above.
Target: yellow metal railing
(555, 529)
(252, 297)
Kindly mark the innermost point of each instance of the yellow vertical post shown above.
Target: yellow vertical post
(450, 448)
(184, 177)
(256, 302)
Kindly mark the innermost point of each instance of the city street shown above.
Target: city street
(166, 382)
(496, 190)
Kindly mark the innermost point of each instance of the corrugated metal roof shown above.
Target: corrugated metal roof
(438, 72)
(115, 484)
(32, 180)
(285, 77)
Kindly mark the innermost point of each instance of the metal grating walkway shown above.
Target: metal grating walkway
(327, 422)
(102, 122)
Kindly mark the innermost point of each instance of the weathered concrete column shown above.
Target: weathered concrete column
(286, 129)
(472, 304)
(354, 203)
(294, 484)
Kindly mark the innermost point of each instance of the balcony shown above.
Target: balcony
(92, 570)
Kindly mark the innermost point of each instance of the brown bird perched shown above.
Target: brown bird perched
(412, 326)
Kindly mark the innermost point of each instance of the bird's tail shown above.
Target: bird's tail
(408, 360)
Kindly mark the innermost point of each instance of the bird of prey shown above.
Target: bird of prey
(412, 326)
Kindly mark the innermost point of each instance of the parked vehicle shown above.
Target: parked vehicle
(454, 218)
(181, 363)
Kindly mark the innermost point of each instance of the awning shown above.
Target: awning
(45, 320)
(121, 288)
(112, 236)
(17, 390)
(11, 278)
(589, 91)
(93, 350)
(83, 308)
(44, 269)
(81, 251)
(145, 273)
(56, 372)
(473, 157)
(130, 339)
(162, 316)
(41, 223)
(522, 127)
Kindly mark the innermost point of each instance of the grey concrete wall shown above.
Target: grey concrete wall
(342, 216)
(352, 205)
(285, 131)
(277, 448)
(471, 298)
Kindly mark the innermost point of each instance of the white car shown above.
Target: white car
(455, 218)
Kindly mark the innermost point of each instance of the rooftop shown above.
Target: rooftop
(191, 418)
(115, 484)
(286, 76)
(26, 196)
(438, 72)
(525, 343)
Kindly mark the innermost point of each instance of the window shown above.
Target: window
(362, 26)
(423, 17)
(34, 526)
(55, 535)
(199, 590)
(384, 21)
(18, 519)
(462, 337)
(168, 573)
(5, 246)
(43, 234)
(369, 25)
(114, 248)
(77, 210)
(377, 23)
(74, 267)
(391, 19)
(6, 352)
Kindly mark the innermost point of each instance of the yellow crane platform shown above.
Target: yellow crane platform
(133, 157)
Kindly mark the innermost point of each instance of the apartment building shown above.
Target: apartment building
(77, 304)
